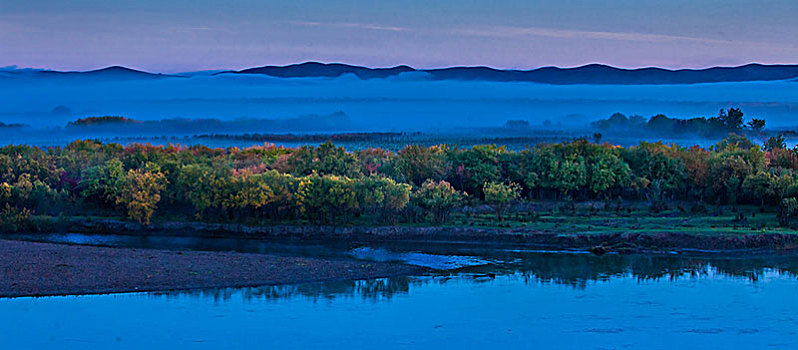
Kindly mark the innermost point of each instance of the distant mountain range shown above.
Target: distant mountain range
(108, 73)
(589, 74)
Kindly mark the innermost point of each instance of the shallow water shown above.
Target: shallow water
(508, 299)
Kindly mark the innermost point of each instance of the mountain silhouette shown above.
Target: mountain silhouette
(588, 74)
(108, 73)
(331, 70)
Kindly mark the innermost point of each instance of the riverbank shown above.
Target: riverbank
(43, 269)
(664, 236)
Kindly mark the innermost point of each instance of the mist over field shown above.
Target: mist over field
(407, 102)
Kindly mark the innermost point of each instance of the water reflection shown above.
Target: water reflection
(578, 270)
(373, 290)
(574, 271)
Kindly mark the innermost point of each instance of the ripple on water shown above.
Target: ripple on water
(705, 330)
(603, 330)
(434, 261)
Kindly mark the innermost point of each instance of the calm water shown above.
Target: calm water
(495, 299)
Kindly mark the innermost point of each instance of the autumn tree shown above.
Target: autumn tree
(284, 189)
(776, 142)
(140, 192)
(246, 193)
(375, 160)
(326, 159)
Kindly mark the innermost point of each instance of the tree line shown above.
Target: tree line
(327, 184)
(731, 120)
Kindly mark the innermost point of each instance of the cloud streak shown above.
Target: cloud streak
(509, 31)
(353, 25)
(522, 32)
(500, 31)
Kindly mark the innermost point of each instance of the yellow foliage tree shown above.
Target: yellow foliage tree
(141, 192)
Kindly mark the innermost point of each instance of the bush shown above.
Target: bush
(15, 220)
(787, 209)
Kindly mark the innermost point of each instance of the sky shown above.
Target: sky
(190, 35)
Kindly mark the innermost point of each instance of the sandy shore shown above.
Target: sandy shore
(39, 269)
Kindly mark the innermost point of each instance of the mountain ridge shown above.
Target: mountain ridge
(107, 73)
(586, 74)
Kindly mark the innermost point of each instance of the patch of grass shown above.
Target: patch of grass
(718, 220)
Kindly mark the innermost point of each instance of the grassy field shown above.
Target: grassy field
(636, 218)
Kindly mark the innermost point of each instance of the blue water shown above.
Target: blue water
(504, 299)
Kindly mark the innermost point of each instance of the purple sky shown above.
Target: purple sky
(186, 35)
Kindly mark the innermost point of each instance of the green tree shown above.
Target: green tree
(732, 142)
(326, 199)
(788, 208)
(382, 196)
(477, 165)
(500, 195)
(756, 125)
(556, 169)
(761, 186)
(438, 198)
(200, 185)
(606, 171)
(103, 182)
(732, 119)
(416, 164)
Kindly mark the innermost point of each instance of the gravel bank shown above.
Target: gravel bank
(39, 269)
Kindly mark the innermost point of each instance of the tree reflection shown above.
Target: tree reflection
(578, 270)
(573, 270)
(371, 289)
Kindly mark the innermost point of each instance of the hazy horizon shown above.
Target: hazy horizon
(182, 36)
(18, 67)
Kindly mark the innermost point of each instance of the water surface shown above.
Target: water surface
(496, 299)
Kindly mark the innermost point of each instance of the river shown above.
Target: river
(482, 298)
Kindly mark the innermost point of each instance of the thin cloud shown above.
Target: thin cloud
(367, 26)
(509, 31)
(199, 29)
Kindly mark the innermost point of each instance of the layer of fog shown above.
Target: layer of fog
(402, 103)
